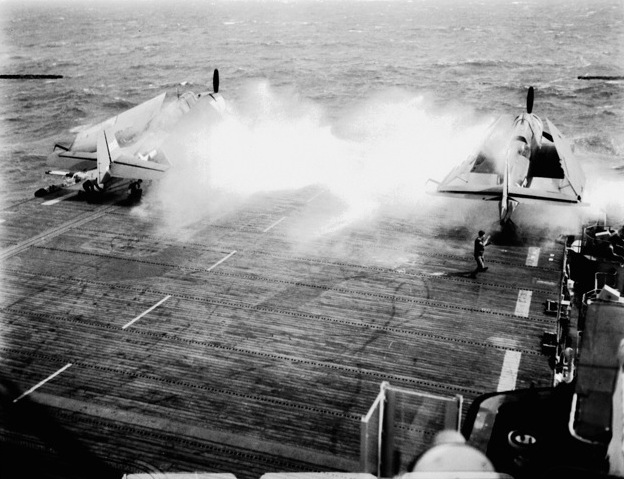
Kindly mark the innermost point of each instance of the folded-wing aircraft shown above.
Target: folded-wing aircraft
(126, 146)
(518, 161)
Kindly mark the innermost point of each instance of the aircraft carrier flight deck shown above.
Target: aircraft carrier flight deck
(247, 342)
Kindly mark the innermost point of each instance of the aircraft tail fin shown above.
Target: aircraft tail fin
(106, 147)
(507, 204)
(111, 163)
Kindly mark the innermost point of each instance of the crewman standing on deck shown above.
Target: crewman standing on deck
(480, 243)
(134, 190)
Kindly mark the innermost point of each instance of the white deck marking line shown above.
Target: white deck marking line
(315, 196)
(51, 202)
(524, 303)
(509, 371)
(146, 312)
(57, 200)
(2, 221)
(221, 260)
(38, 385)
(533, 256)
(274, 224)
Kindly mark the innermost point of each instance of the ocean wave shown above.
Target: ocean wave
(478, 63)
(20, 57)
(65, 64)
(12, 119)
(600, 90)
(73, 112)
(118, 103)
(598, 143)
(54, 44)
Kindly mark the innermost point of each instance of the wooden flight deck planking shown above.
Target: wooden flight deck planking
(251, 325)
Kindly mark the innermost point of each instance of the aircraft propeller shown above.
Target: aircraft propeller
(215, 81)
(530, 100)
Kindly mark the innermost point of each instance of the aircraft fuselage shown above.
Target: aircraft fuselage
(525, 142)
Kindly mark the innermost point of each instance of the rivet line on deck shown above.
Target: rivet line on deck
(369, 373)
(246, 306)
(315, 260)
(296, 283)
(53, 232)
(144, 431)
(211, 344)
(167, 438)
(260, 308)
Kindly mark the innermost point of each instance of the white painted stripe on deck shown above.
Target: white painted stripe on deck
(221, 260)
(533, 256)
(509, 371)
(524, 303)
(146, 312)
(57, 200)
(2, 221)
(51, 202)
(315, 196)
(38, 385)
(274, 224)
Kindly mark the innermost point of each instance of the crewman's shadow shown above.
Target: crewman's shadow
(472, 274)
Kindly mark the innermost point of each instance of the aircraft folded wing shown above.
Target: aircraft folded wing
(140, 114)
(552, 195)
(131, 168)
(573, 182)
(130, 121)
(474, 191)
(469, 180)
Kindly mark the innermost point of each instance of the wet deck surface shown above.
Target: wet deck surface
(252, 340)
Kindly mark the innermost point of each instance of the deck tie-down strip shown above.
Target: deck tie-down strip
(51, 233)
(164, 425)
(255, 277)
(402, 299)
